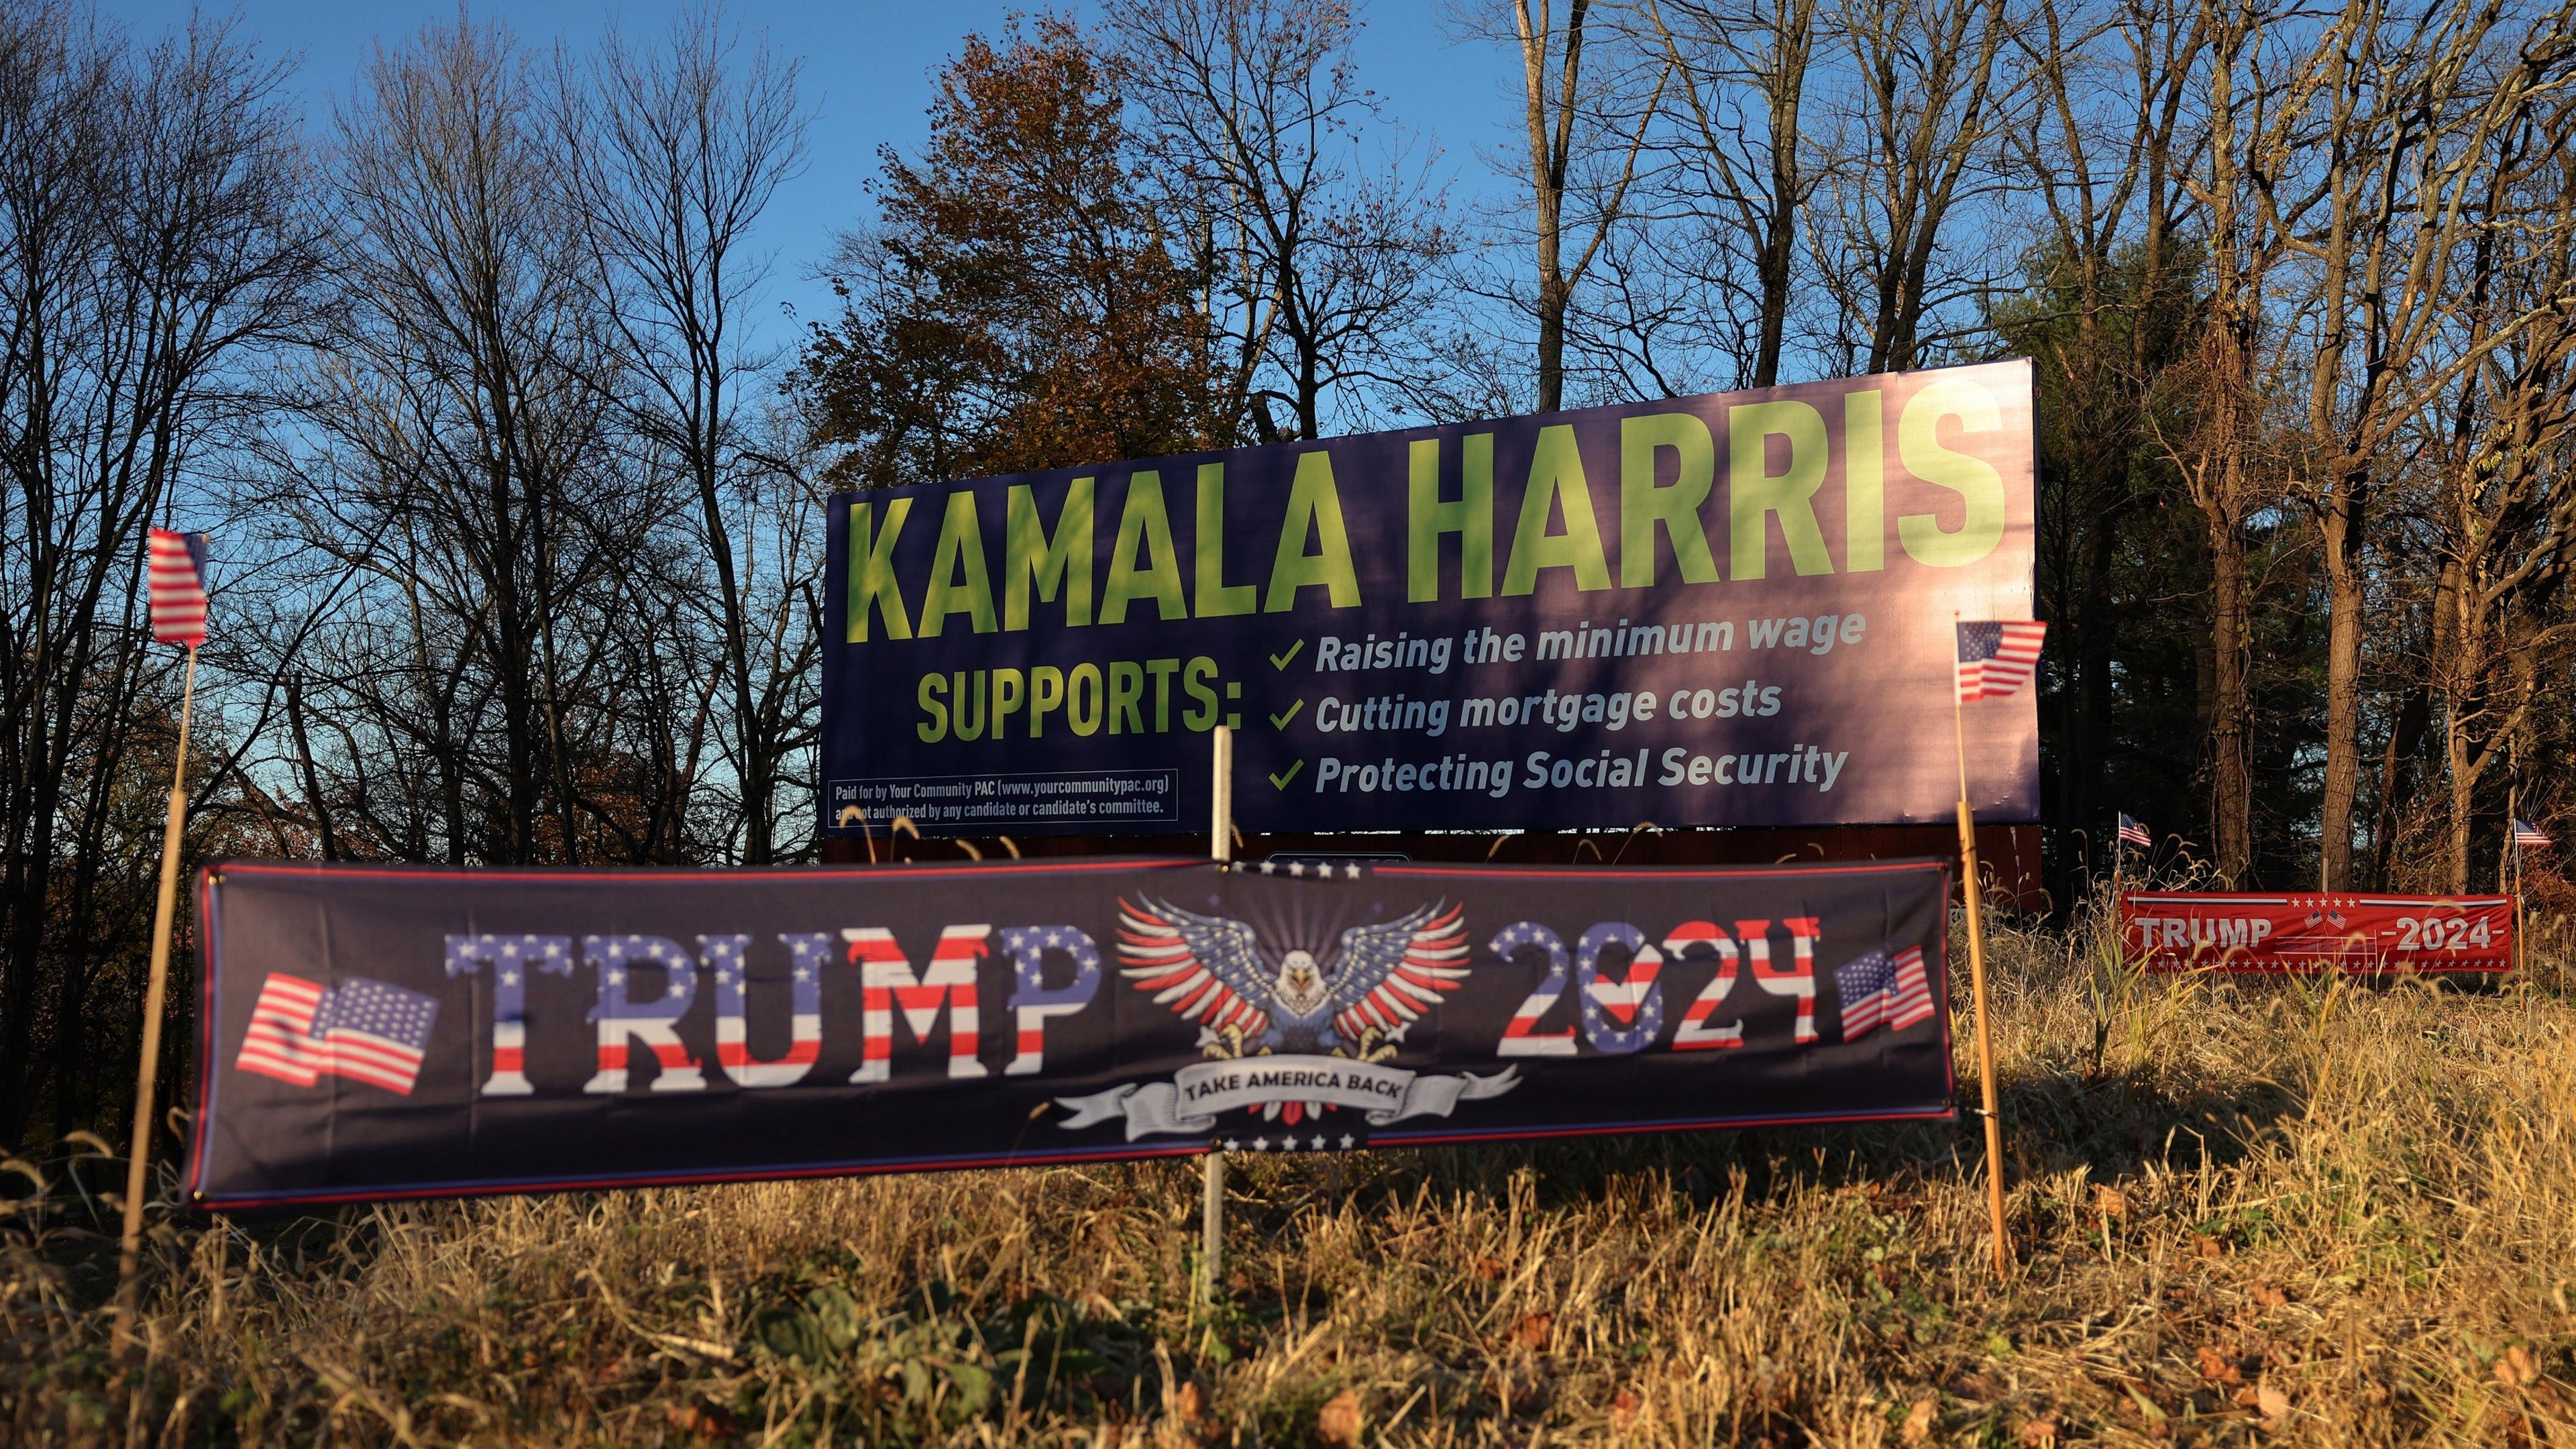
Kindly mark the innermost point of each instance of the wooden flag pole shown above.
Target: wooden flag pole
(156, 989)
(1212, 1185)
(1977, 986)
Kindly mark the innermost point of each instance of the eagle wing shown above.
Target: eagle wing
(1203, 967)
(1390, 970)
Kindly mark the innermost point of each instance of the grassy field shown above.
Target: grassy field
(2280, 1212)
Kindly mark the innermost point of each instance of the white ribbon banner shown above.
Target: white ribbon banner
(1190, 1102)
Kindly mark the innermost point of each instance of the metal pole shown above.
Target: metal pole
(156, 989)
(1212, 1185)
(1977, 986)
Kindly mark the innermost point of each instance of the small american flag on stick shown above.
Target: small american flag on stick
(1997, 657)
(1879, 992)
(2530, 836)
(2134, 833)
(174, 584)
(301, 1032)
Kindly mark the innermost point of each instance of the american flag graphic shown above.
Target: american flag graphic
(174, 584)
(1521, 1038)
(1033, 1002)
(1997, 657)
(1695, 1034)
(725, 956)
(1878, 992)
(301, 1032)
(2527, 834)
(2134, 833)
(1634, 1003)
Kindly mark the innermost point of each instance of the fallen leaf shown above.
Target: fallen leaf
(2039, 1433)
(2217, 1367)
(1338, 1425)
(2273, 1401)
(1490, 1269)
(2247, 1398)
(2207, 1246)
(2269, 1296)
(1921, 1420)
(1187, 1405)
(1531, 1332)
(1624, 1406)
(2111, 1202)
(704, 1420)
(2515, 1368)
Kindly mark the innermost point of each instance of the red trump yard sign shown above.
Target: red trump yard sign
(2203, 931)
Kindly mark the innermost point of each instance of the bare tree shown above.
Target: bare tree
(2107, 148)
(1584, 132)
(1743, 164)
(2416, 124)
(671, 155)
(1315, 253)
(467, 403)
(151, 242)
(1927, 101)
(2502, 441)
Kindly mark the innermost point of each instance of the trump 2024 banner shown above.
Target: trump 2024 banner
(399, 1032)
(1722, 610)
(2222, 931)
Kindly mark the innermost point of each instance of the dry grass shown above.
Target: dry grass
(2278, 1212)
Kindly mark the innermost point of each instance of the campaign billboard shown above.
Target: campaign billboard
(381, 1032)
(1734, 609)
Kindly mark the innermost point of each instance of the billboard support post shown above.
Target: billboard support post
(1212, 1185)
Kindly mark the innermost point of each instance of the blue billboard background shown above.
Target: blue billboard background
(1730, 610)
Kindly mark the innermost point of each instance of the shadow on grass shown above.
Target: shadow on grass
(2115, 1123)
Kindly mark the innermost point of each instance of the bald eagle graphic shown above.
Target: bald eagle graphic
(1355, 998)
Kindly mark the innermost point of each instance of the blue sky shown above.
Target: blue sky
(867, 68)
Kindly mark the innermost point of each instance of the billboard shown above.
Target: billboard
(371, 1032)
(1734, 609)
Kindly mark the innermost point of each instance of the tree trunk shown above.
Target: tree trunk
(2345, 583)
(2231, 784)
(2464, 788)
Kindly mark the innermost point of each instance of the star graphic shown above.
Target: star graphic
(1297, 867)
(1260, 1144)
(509, 978)
(509, 948)
(1346, 1142)
(1319, 1142)
(1233, 1146)
(1353, 872)
(616, 977)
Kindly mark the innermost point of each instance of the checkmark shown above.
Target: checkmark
(1282, 661)
(1280, 782)
(1280, 720)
